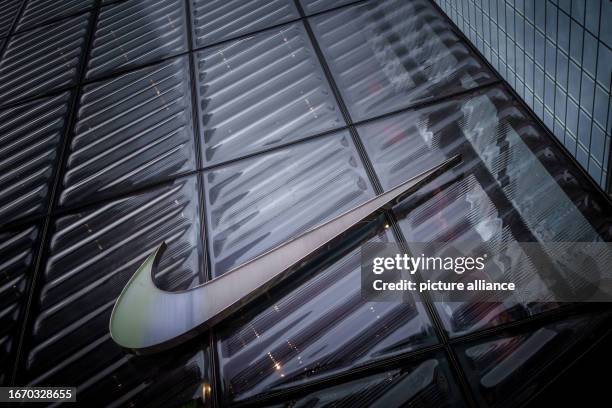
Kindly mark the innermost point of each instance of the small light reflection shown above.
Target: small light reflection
(206, 393)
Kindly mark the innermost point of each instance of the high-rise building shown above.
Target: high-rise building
(557, 55)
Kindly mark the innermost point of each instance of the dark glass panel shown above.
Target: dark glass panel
(218, 20)
(513, 185)
(30, 138)
(260, 92)
(92, 255)
(428, 383)
(515, 367)
(390, 54)
(43, 59)
(132, 130)
(18, 250)
(133, 33)
(258, 203)
(316, 326)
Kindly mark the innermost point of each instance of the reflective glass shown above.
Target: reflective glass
(511, 366)
(390, 54)
(218, 20)
(316, 326)
(141, 135)
(258, 203)
(513, 185)
(17, 252)
(427, 383)
(93, 253)
(260, 92)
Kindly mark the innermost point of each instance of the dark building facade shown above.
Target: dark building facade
(227, 127)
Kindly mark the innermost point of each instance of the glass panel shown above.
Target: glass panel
(8, 11)
(425, 384)
(134, 33)
(131, 131)
(18, 256)
(37, 12)
(44, 59)
(513, 185)
(92, 255)
(256, 204)
(260, 92)
(317, 325)
(182, 376)
(390, 54)
(30, 137)
(317, 6)
(514, 367)
(218, 20)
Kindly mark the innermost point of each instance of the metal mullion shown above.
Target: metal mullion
(593, 123)
(196, 130)
(205, 268)
(36, 250)
(515, 16)
(342, 106)
(569, 61)
(546, 67)
(559, 50)
(12, 28)
(578, 102)
(432, 312)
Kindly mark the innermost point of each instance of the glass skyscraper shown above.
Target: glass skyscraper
(557, 55)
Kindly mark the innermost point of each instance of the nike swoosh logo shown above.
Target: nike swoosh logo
(146, 319)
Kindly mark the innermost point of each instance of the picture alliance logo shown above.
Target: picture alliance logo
(411, 264)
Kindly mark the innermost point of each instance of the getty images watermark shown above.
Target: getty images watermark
(492, 272)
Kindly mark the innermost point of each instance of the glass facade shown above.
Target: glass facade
(557, 55)
(225, 128)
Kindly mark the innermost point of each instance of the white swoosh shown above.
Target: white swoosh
(147, 319)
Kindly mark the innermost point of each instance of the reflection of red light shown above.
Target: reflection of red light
(375, 87)
(396, 131)
(398, 136)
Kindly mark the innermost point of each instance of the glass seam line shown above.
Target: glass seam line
(12, 27)
(211, 373)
